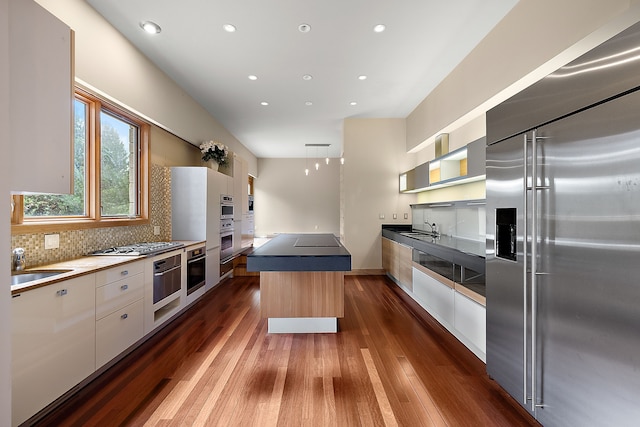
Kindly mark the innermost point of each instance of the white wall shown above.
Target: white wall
(374, 151)
(534, 39)
(5, 161)
(287, 201)
(102, 52)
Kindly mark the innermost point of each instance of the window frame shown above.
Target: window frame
(93, 217)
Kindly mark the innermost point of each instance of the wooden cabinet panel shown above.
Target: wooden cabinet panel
(405, 268)
(302, 293)
(118, 331)
(53, 343)
(40, 99)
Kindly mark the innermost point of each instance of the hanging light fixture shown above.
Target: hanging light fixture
(317, 162)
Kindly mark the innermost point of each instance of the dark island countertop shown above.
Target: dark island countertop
(300, 252)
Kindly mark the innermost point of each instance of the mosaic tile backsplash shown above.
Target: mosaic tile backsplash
(76, 243)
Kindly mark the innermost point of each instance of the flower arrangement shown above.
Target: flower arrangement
(213, 150)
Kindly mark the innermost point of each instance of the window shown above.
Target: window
(110, 173)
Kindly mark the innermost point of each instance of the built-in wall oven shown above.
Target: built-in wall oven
(226, 234)
(226, 206)
(196, 268)
(226, 238)
(167, 277)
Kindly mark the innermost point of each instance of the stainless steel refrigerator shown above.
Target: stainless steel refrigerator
(563, 241)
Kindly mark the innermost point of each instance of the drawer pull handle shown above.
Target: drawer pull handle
(124, 272)
(61, 292)
(124, 287)
(124, 316)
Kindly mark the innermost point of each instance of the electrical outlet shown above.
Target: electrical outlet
(51, 241)
(156, 230)
(406, 215)
(395, 216)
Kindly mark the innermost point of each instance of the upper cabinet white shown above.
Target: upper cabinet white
(40, 99)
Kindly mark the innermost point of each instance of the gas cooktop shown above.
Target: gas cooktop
(137, 249)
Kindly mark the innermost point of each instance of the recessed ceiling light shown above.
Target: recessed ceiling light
(379, 28)
(308, 103)
(229, 28)
(304, 28)
(353, 103)
(362, 77)
(252, 77)
(264, 103)
(150, 27)
(307, 77)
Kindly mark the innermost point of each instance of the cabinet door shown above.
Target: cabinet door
(40, 99)
(386, 255)
(53, 343)
(477, 157)
(471, 321)
(405, 270)
(436, 297)
(212, 272)
(117, 332)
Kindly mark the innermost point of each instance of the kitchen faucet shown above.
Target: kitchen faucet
(19, 260)
(433, 227)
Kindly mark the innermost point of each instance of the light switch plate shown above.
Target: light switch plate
(395, 216)
(381, 216)
(51, 241)
(156, 230)
(406, 215)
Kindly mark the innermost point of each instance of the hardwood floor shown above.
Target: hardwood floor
(217, 366)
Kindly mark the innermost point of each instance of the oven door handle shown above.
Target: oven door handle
(162, 273)
(200, 258)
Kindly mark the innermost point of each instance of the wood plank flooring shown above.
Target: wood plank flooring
(390, 365)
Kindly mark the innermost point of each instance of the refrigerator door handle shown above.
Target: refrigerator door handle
(525, 267)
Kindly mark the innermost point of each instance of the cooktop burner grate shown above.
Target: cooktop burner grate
(136, 249)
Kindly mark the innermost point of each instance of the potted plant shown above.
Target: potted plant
(216, 151)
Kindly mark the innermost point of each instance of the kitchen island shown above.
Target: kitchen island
(301, 282)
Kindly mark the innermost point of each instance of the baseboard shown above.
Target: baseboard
(366, 272)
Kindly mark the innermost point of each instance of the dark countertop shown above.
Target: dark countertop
(300, 252)
(461, 252)
(468, 253)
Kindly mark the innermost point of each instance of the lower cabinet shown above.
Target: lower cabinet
(471, 321)
(435, 296)
(53, 343)
(118, 331)
(397, 261)
(459, 314)
(119, 310)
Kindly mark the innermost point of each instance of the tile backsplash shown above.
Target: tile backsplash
(76, 243)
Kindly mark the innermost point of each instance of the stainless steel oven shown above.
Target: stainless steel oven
(226, 239)
(196, 268)
(167, 277)
(226, 206)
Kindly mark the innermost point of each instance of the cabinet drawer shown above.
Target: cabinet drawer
(121, 272)
(117, 295)
(116, 332)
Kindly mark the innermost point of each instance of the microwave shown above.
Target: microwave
(226, 206)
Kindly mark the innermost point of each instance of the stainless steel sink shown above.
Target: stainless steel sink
(18, 278)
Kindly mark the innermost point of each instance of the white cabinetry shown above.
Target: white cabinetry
(53, 343)
(471, 321)
(436, 297)
(40, 99)
(119, 310)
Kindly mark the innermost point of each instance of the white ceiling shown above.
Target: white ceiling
(424, 40)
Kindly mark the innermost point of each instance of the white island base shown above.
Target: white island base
(300, 325)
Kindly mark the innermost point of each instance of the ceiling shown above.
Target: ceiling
(423, 41)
